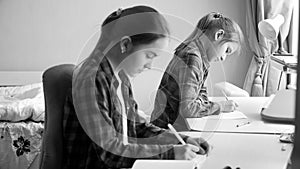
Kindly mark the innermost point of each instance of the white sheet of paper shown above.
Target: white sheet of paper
(166, 164)
(221, 122)
(232, 115)
(199, 160)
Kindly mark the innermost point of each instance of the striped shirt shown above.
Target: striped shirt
(182, 93)
(93, 129)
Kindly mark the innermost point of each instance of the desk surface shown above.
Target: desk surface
(247, 151)
(239, 147)
(251, 107)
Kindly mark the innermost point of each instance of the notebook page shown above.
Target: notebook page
(228, 116)
(164, 164)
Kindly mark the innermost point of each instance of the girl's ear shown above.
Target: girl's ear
(125, 44)
(219, 34)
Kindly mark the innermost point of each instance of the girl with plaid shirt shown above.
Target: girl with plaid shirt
(101, 124)
(182, 93)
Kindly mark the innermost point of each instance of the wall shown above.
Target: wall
(38, 34)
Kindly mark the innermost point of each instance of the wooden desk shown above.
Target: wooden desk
(247, 151)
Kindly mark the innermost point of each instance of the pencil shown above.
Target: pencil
(240, 125)
(225, 95)
(176, 134)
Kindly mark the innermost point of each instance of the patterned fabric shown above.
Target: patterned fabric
(93, 133)
(182, 93)
(20, 144)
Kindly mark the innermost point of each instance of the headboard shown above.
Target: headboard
(12, 78)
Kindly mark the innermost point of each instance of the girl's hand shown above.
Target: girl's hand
(204, 147)
(185, 152)
(228, 106)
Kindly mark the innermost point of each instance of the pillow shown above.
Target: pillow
(230, 90)
(22, 103)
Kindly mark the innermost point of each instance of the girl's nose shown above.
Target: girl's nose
(223, 57)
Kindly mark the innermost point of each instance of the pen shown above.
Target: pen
(176, 134)
(225, 95)
(235, 104)
(240, 125)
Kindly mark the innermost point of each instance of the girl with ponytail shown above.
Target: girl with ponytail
(182, 93)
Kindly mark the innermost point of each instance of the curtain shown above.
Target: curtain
(261, 79)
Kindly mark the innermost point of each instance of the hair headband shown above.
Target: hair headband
(218, 15)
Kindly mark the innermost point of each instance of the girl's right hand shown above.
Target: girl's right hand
(185, 152)
(228, 106)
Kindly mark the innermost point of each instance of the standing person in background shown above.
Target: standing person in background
(181, 93)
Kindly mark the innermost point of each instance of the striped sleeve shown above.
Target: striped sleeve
(91, 100)
(193, 101)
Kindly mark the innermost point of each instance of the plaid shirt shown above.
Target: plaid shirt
(182, 93)
(93, 133)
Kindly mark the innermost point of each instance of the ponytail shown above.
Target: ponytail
(209, 24)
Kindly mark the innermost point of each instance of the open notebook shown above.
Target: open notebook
(196, 163)
(223, 121)
(227, 116)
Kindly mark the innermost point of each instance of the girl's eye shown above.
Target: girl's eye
(150, 56)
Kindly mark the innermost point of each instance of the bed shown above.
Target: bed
(22, 114)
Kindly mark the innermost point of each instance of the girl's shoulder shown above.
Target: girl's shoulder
(188, 51)
(189, 58)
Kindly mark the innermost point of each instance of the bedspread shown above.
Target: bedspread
(20, 145)
(22, 103)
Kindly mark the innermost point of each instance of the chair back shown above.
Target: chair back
(56, 82)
